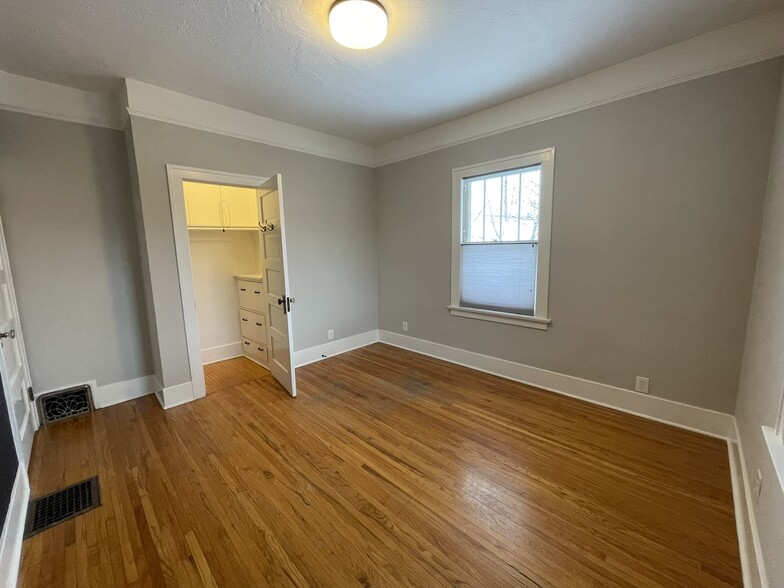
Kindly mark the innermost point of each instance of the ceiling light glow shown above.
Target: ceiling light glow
(358, 24)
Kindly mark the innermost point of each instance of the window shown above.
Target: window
(501, 239)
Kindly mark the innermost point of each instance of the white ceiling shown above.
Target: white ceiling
(443, 58)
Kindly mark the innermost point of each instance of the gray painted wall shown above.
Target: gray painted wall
(66, 209)
(657, 207)
(331, 230)
(763, 363)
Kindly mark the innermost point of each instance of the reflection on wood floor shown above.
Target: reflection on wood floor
(388, 469)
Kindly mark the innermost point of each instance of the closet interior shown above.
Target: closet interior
(227, 269)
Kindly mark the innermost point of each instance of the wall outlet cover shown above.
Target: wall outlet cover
(405, 326)
(642, 385)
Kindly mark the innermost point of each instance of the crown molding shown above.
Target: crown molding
(31, 96)
(750, 41)
(156, 103)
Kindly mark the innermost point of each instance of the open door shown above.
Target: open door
(278, 302)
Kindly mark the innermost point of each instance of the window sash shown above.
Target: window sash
(499, 276)
(466, 204)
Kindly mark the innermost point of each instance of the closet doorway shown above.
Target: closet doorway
(230, 240)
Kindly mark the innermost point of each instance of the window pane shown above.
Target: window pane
(503, 207)
(476, 191)
(499, 276)
(530, 190)
(492, 209)
(510, 219)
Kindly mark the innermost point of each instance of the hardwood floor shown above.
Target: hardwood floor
(388, 469)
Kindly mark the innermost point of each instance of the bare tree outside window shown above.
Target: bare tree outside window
(505, 208)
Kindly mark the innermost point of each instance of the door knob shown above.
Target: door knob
(8, 335)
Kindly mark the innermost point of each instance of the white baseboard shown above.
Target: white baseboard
(13, 531)
(743, 524)
(221, 352)
(744, 515)
(685, 416)
(92, 383)
(319, 352)
(110, 394)
(174, 395)
(118, 392)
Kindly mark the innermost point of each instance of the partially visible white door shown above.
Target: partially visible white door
(14, 370)
(278, 302)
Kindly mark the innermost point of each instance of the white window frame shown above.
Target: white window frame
(541, 317)
(774, 438)
(780, 421)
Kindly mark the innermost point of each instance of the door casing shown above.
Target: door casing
(176, 175)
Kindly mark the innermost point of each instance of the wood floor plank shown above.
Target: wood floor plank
(389, 469)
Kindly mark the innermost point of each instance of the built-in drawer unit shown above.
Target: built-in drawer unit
(251, 295)
(253, 318)
(257, 351)
(253, 325)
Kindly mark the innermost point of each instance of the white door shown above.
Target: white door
(14, 370)
(278, 302)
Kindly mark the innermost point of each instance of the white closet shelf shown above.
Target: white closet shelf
(250, 277)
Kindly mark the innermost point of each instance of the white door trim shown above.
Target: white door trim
(176, 174)
(24, 435)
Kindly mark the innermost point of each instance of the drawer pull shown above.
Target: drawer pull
(242, 289)
(246, 320)
(259, 348)
(256, 292)
(258, 324)
(246, 343)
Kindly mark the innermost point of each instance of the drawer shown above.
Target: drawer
(253, 326)
(251, 295)
(256, 350)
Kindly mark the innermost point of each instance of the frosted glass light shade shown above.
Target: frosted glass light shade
(358, 24)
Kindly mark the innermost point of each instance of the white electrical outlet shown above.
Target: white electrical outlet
(330, 334)
(641, 385)
(405, 326)
(758, 487)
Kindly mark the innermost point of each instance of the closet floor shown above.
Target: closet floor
(232, 372)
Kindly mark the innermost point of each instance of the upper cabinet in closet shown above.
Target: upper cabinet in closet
(210, 206)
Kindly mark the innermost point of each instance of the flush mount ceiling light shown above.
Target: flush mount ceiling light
(358, 24)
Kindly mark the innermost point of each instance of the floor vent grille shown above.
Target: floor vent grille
(47, 511)
(65, 404)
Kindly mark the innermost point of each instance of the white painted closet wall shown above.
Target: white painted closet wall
(216, 257)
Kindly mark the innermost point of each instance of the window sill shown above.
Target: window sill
(495, 316)
(776, 448)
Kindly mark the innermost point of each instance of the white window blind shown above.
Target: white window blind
(498, 276)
